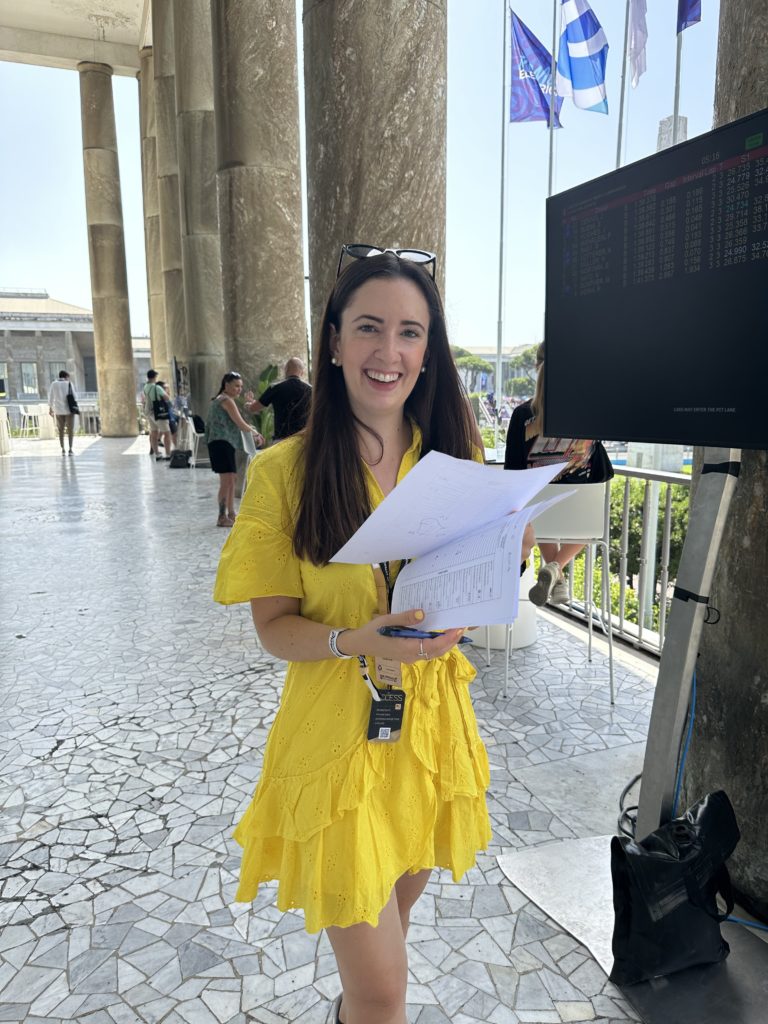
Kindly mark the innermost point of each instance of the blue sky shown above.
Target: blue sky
(42, 207)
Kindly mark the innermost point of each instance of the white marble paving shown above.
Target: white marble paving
(135, 715)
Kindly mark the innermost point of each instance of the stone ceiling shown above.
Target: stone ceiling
(61, 33)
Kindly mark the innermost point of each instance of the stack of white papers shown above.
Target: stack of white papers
(463, 523)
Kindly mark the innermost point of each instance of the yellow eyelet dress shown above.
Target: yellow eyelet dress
(336, 819)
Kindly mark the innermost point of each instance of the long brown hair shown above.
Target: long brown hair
(535, 426)
(334, 500)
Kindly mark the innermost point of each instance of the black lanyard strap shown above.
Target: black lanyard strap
(384, 566)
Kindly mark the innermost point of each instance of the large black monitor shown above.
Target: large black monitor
(657, 297)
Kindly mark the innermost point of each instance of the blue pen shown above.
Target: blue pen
(415, 634)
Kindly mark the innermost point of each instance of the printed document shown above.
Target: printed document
(453, 517)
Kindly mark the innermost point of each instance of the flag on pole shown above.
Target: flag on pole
(530, 92)
(582, 57)
(638, 36)
(688, 13)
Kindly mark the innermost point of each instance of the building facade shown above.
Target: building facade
(39, 337)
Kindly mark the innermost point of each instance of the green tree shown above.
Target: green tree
(522, 369)
(472, 365)
(678, 526)
(518, 387)
(458, 352)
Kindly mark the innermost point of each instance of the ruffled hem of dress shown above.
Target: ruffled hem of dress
(461, 831)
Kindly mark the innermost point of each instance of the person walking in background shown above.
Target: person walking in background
(588, 463)
(58, 407)
(223, 434)
(290, 398)
(159, 426)
(351, 818)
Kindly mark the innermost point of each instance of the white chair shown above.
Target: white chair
(249, 445)
(5, 433)
(584, 517)
(46, 424)
(521, 632)
(30, 421)
(191, 438)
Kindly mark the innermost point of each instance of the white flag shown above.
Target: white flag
(638, 34)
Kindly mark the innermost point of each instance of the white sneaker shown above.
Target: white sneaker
(542, 589)
(560, 593)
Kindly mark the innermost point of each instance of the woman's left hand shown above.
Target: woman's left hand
(367, 640)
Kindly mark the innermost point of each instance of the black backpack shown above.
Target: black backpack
(180, 459)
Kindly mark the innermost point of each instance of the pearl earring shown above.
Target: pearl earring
(334, 361)
(423, 369)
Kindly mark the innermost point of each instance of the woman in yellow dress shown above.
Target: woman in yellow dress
(351, 828)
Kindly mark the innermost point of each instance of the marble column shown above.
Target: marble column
(259, 182)
(200, 248)
(168, 181)
(155, 293)
(106, 249)
(375, 93)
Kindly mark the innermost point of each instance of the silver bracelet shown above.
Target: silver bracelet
(333, 636)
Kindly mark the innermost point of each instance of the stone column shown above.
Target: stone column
(375, 88)
(155, 293)
(106, 249)
(200, 249)
(168, 181)
(259, 182)
(730, 735)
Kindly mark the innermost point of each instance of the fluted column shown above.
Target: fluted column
(375, 88)
(168, 180)
(155, 293)
(259, 181)
(196, 148)
(106, 250)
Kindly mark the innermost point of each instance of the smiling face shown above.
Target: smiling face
(381, 346)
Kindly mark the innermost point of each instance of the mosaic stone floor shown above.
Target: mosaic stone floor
(134, 718)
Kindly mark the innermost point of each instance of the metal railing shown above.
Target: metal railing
(647, 524)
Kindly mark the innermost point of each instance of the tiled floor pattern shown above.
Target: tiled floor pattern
(134, 717)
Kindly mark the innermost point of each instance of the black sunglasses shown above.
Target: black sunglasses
(359, 251)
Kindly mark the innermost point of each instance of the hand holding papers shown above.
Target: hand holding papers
(453, 516)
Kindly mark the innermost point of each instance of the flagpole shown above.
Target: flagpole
(623, 87)
(500, 322)
(553, 100)
(676, 111)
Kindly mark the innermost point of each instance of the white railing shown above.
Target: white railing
(642, 563)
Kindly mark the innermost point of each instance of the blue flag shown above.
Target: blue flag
(531, 86)
(688, 13)
(582, 57)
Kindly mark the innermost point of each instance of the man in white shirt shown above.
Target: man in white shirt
(58, 407)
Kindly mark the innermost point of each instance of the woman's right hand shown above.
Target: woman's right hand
(367, 639)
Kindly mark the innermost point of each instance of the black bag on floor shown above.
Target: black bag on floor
(664, 889)
(180, 459)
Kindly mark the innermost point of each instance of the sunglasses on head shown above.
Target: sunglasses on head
(359, 251)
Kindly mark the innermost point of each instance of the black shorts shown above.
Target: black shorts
(222, 456)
